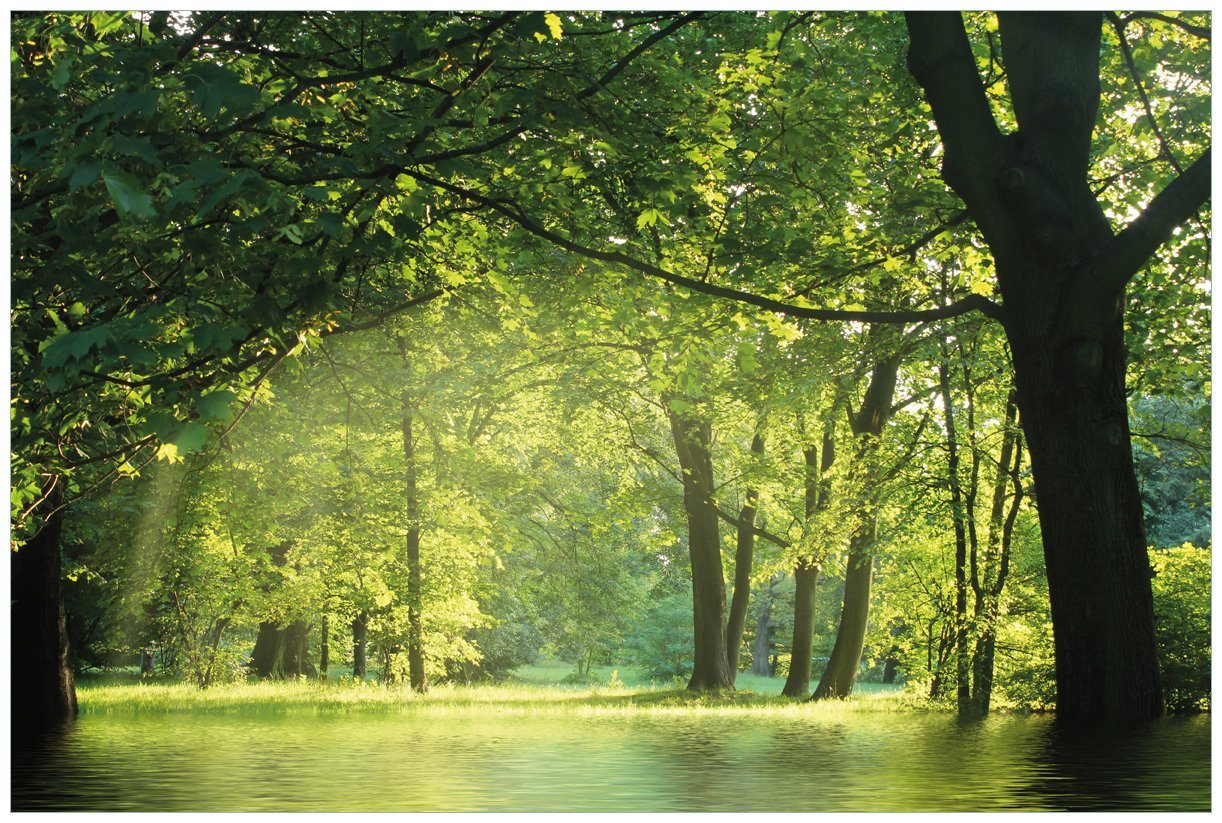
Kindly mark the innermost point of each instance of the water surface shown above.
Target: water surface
(264, 760)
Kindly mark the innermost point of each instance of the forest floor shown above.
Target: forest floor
(530, 690)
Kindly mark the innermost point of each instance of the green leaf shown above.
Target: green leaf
(85, 174)
(129, 196)
(215, 405)
(191, 437)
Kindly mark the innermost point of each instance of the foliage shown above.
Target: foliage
(1182, 618)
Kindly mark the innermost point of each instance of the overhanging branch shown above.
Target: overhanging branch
(972, 302)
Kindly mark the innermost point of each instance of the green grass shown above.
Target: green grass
(532, 690)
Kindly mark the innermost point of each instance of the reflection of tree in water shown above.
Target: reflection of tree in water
(1153, 766)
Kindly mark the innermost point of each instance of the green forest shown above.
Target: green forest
(707, 361)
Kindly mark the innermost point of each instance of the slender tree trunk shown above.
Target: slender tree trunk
(761, 645)
(415, 631)
(324, 661)
(963, 686)
(359, 632)
(43, 687)
(841, 672)
(743, 555)
(806, 574)
(711, 666)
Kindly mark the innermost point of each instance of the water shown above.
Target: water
(281, 761)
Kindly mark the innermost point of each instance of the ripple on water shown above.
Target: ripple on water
(262, 761)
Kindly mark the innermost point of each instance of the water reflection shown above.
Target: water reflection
(264, 761)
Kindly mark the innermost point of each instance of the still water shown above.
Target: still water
(278, 761)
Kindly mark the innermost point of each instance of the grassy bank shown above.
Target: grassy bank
(532, 690)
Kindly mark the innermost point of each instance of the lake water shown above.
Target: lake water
(300, 760)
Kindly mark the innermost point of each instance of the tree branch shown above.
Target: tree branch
(1128, 251)
(973, 302)
(940, 58)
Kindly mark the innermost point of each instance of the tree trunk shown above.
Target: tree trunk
(415, 630)
(324, 660)
(1061, 274)
(841, 672)
(267, 657)
(761, 646)
(711, 666)
(961, 510)
(890, 669)
(43, 689)
(266, 660)
(360, 626)
(743, 555)
(798, 682)
(806, 574)
(1094, 537)
(296, 650)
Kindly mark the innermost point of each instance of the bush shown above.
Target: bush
(1181, 622)
(662, 641)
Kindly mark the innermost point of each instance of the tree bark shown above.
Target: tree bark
(841, 672)
(1062, 275)
(360, 625)
(415, 630)
(797, 683)
(267, 657)
(761, 645)
(806, 573)
(324, 659)
(43, 687)
(743, 557)
(711, 666)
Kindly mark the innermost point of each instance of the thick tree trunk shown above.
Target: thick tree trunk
(711, 667)
(797, 684)
(841, 672)
(43, 689)
(761, 645)
(267, 657)
(890, 669)
(743, 556)
(296, 651)
(1062, 274)
(359, 632)
(266, 660)
(1076, 424)
(415, 630)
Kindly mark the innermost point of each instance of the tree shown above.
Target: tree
(1062, 273)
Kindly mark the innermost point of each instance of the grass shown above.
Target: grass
(532, 690)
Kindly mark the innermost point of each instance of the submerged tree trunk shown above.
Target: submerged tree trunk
(360, 625)
(1062, 274)
(43, 688)
(743, 557)
(841, 672)
(711, 666)
(415, 631)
